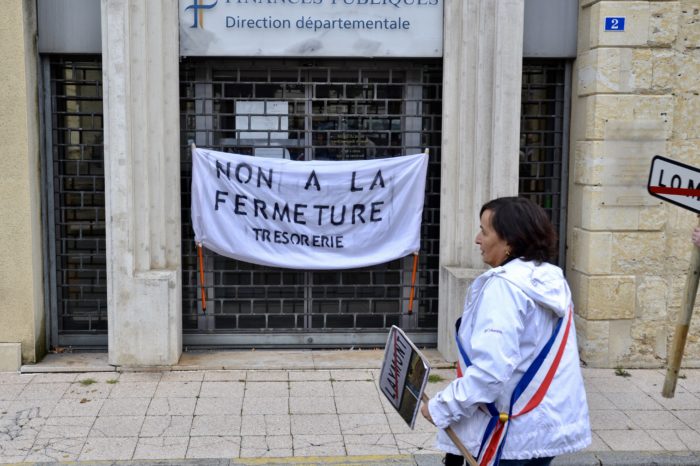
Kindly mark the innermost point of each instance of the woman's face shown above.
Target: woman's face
(494, 249)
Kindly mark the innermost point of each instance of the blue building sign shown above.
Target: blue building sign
(615, 23)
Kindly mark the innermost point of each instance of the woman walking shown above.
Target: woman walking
(519, 398)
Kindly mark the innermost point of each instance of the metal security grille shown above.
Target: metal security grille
(308, 110)
(74, 174)
(544, 139)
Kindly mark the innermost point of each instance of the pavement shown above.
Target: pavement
(295, 408)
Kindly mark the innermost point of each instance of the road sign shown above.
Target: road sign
(404, 375)
(675, 182)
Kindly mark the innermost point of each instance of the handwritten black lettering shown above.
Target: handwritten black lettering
(239, 203)
(313, 179)
(378, 179)
(353, 188)
(218, 199)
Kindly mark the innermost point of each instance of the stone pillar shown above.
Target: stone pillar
(483, 53)
(142, 181)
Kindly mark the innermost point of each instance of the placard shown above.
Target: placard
(404, 375)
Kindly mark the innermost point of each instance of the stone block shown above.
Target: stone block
(596, 216)
(577, 295)
(614, 70)
(685, 150)
(665, 69)
(652, 217)
(10, 357)
(663, 23)
(687, 66)
(593, 339)
(661, 343)
(637, 252)
(646, 348)
(618, 169)
(687, 109)
(637, 129)
(633, 109)
(606, 297)
(626, 160)
(652, 297)
(637, 22)
(647, 24)
(575, 214)
(620, 340)
(588, 162)
(591, 251)
(689, 32)
(680, 220)
(677, 285)
(617, 208)
(678, 250)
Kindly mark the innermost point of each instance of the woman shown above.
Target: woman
(520, 381)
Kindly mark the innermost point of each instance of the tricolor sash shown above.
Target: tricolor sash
(527, 394)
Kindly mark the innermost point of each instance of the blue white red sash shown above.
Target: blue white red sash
(527, 394)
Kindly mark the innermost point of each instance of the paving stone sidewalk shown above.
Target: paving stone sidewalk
(295, 416)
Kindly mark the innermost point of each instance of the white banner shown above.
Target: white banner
(308, 214)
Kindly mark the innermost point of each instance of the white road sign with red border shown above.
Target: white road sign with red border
(675, 182)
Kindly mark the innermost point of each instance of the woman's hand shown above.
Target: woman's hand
(426, 412)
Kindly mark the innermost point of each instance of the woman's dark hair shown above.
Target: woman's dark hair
(524, 226)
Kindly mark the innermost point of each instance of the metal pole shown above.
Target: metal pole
(678, 346)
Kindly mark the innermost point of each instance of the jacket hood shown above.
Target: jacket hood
(544, 283)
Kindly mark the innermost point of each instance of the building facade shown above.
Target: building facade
(635, 95)
(508, 96)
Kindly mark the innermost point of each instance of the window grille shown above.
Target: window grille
(75, 183)
(311, 110)
(544, 139)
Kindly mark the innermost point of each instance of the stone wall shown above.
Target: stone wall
(635, 95)
(21, 272)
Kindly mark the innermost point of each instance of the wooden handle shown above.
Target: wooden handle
(458, 443)
(681, 333)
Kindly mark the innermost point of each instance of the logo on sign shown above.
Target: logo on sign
(615, 23)
(198, 12)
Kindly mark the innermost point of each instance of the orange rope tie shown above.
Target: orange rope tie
(201, 278)
(413, 283)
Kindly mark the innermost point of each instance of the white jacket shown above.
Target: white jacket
(509, 314)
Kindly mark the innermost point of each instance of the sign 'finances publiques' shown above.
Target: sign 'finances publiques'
(311, 28)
